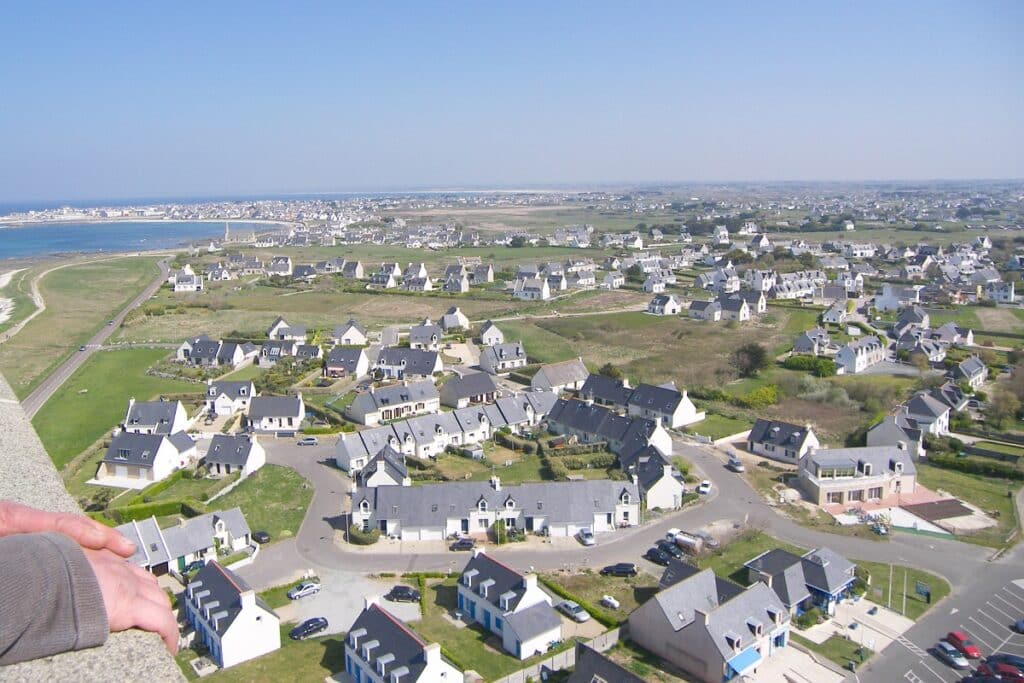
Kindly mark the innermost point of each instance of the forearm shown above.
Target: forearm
(50, 600)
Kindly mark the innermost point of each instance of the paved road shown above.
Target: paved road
(732, 501)
(34, 401)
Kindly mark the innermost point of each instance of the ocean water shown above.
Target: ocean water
(30, 241)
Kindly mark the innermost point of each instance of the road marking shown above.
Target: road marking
(997, 636)
(913, 677)
(905, 642)
(1000, 611)
(1007, 602)
(953, 611)
(934, 672)
(1018, 602)
(974, 634)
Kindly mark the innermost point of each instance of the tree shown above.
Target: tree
(749, 359)
(517, 242)
(609, 370)
(1003, 408)
(920, 361)
(635, 273)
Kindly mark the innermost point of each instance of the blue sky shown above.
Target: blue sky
(150, 99)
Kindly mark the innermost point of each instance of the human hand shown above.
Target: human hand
(88, 533)
(132, 597)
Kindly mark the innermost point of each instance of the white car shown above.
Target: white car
(586, 537)
(304, 589)
(672, 534)
(704, 487)
(573, 611)
(609, 602)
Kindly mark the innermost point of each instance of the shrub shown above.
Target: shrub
(500, 533)
(760, 398)
(983, 467)
(357, 536)
(819, 367)
(598, 613)
(808, 618)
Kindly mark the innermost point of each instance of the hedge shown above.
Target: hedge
(598, 613)
(575, 449)
(357, 536)
(157, 488)
(188, 507)
(987, 468)
(820, 367)
(600, 461)
(514, 443)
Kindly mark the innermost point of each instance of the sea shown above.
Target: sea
(48, 239)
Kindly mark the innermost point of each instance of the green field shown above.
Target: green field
(313, 659)
(839, 650)
(91, 403)
(728, 560)
(891, 594)
(19, 292)
(274, 499)
(79, 301)
(719, 426)
(985, 492)
(1000, 447)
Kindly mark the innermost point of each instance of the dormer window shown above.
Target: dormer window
(625, 498)
(482, 505)
(122, 454)
(510, 504)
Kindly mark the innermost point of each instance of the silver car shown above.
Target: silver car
(950, 655)
(573, 611)
(304, 589)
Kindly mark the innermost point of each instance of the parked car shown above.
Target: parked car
(403, 594)
(736, 465)
(463, 544)
(670, 548)
(309, 441)
(81, 348)
(658, 556)
(586, 537)
(609, 602)
(704, 487)
(110, 322)
(261, 537)
(1018, 626)
(304, 589)
(194, 566)
(573, 611)
(1012, 660)
(309, 627)
(950, 655)
(961, 642)
(672, 534)
(619, 569)
(1002, 671)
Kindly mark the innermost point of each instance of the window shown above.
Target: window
(875, 492)
(482, 523)
(856, 495)
(834, 497)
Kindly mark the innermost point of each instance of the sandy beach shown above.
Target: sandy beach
(7, 305)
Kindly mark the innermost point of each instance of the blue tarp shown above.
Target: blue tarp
(742, 662)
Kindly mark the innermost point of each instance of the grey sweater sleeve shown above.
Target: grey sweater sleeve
(50, 600)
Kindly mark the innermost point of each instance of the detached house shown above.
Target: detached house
(471, 388)
(379, 648)
(230, 453)
(664, 304)
(861, 354)
(228, 617)
(814, 341)
(454, 319)
(426, 335)
(347, 361)
(532, 289)
(349, 334)
(508, 604)
(502, 358)
(558, 377)
(155, 417)
(490, 335)
(930, 414)
(135, 460)
(706, 310)
(280, 330)
(394, 402)
(227, 398)
(971, 370)
(397, 362)
(821, 578)
(274, 413)
(189, 540)
(850, 475)
(781, 441)
(711, 628)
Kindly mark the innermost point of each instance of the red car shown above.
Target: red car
(1002, 671)
(960, 641)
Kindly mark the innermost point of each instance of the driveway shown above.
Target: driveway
(342, 599)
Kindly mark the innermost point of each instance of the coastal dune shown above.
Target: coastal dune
(6, 304)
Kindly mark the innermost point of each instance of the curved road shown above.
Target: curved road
(34, 401)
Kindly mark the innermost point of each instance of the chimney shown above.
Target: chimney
(247, 599)
(432, 653)
(901, 445)
(496, 482)
(529, 581)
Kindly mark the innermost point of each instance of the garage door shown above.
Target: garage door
(121, 471)
(431, 535)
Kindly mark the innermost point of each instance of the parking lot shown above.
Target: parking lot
(988, 625)
(341, 600)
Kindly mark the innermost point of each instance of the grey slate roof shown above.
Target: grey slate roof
(417, 361)
(239, 389)
(505, 580)
(274, 406)
(605, 389)
(395, 394)
(376, 623)
(470, 384)
(566, 372)
(559, 502)
(503, 352)
(129, 448)
(229, 449)
(779, 433)
(631, 433)
(880, 457)
(345, 357)
(425, 334)
(390, 461)
(225, 588)
(533, 621)
(970, 367)
(154, 546)
(340, 330)
(157, 413)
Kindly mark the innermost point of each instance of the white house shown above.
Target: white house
(664, 304)
(781, 441)
(490, 335)
(557, 377)
(394, 402)
(502, 358)
(349, 334)
(508, 604)
(228, 617)
(230, 453)
(136, 460)
(861, 354)
(274, 413)
(155, 417)
(227, 398)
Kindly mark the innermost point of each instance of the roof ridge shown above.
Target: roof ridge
(399, 624)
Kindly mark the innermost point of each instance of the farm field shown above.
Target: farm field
(79, 300)
(89, 404)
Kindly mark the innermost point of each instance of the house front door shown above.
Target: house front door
(465, 526)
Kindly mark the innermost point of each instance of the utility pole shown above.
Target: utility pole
(889, 605)
(904, 612)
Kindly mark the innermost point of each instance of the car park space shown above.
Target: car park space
(989, 626)
(340, 600)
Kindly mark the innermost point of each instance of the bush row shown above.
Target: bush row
(147, 493)
(600, 461)
(189, 507)
(515, 443)
(987, 468)
(819, 367)
(357, 536)
(547, 448)
(758, 398)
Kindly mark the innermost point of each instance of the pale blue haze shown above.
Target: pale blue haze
(226, 98)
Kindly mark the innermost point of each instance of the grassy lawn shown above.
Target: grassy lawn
(729, 559)
(472, 646)
(274, 500)
(589, 585)
(313, 659)
(89, 404)
(839, 650)
(641, 662)
(193, 488)
(250, 371)
(987, 493)
(719, 426)
(79, 301)
(880, 588)
(1000, 447)
(541, 345)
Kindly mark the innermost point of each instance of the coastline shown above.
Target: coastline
(6, 222)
